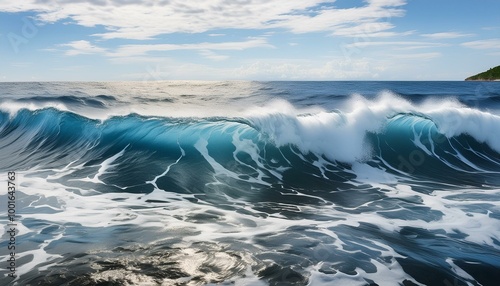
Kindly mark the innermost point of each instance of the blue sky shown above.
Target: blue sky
(44, 40)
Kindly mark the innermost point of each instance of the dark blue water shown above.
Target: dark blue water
(252, 183)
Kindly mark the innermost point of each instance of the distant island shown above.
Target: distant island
(491, 74)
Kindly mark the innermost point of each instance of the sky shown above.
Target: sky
(149, 40)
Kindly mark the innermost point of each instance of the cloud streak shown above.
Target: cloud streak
(142, 20)
(81, 47)
(488, 44)
(407, 44)
(446, 35)
(205, 49)
(418, 56)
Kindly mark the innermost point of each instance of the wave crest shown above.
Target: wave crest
(388, 132)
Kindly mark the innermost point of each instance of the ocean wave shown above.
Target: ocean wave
(230, 183)
(435, 139)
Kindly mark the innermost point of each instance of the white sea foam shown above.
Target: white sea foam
(172, 216)
(341, 135)
(338, 135)
(106, 165)
(483, 126)
(12, 108)
(201, 146)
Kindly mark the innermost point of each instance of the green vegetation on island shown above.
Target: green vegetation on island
(491, 74)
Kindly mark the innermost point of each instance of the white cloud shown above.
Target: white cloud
(212, 55)
(421, 46)
(293, 69)
(373, 17)
(370, 30)
(149, 18)
(488, 44)
(410, 44)
(138, 59)
(262, 69)
(446, 35)
(418, 56)
(82, 47)
(143, 49)
(139, 52)
(364, 29)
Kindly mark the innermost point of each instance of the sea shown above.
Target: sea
(250, 183)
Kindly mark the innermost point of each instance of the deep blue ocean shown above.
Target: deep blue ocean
(251, 183)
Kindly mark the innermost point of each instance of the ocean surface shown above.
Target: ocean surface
(250, 183)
